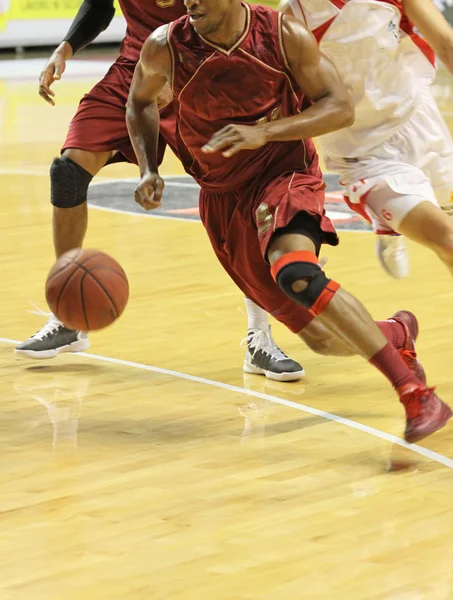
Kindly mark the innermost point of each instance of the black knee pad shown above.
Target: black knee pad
(304, 265)
(68, 183)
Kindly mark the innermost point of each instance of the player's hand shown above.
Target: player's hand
(148, 193)
(53, 71)
(234, 138)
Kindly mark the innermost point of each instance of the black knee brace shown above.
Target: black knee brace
(304, 265)
(68, 183)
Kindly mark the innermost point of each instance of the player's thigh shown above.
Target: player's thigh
(394, 197)
(89, 160)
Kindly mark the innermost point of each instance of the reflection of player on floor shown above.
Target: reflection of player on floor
(98, 136)
(398, 156)
(262, 193)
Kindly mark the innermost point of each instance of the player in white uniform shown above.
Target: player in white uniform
(396, 160)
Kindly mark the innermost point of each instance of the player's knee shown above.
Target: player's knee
(68, 183)
(299, 285)
(300, 277)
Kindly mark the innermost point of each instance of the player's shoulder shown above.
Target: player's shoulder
(159, 36)
(155, 47)
(293, 28)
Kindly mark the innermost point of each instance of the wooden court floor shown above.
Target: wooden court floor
(153, 468)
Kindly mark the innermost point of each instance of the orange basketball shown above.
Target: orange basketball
(87, 289)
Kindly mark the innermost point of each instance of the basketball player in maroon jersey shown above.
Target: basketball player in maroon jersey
(237, 73)
(98, 136)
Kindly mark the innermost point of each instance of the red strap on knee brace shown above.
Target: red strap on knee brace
(325, 297)
(308, 257)
(292, 257)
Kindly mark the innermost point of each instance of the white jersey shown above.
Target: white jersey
(380, 58)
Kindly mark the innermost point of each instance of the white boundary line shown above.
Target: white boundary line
(430, 454)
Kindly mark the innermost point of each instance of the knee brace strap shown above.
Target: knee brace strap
(304, 265)
(68, 183)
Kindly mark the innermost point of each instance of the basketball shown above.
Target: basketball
(87, 289)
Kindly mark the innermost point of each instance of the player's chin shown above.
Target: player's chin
(201, 25)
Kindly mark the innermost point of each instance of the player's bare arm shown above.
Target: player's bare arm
(434, 28)
(317, 77)
(285, 8)
(151, 77)
(93, 17)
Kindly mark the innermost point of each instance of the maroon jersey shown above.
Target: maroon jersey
(143, 17)
(248, 84)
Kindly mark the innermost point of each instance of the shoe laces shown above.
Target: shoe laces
(415, 399)
(52, 325)
(261, 339)
(409, 356)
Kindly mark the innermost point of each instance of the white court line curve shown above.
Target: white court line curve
(430, 454)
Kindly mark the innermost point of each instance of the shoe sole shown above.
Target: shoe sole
(287, 376)
(78, 346)
(446, 415)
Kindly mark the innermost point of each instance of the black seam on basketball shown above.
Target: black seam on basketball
(74, 262)
(121, 273)
(65, 285)
(69, 261)
(49, 279)
(82, 301)
(102, 288)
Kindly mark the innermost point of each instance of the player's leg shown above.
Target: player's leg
(70, 176)
(296, 271)
(96, 132)
(422, 221)
(362, 174)
(412, 209)
(298, 227)
(390, 245)
(430, 226)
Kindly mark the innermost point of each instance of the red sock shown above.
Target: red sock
(390, 363)
(393, 331)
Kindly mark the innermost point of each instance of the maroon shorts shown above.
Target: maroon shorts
(240, 225)
(99, 124)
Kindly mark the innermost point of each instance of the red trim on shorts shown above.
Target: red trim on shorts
(290, 258)
(326, 296)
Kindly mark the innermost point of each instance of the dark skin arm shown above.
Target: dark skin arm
(317, 78)
(285, 8)
(151, 77)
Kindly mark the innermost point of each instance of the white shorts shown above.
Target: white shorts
(415, 165)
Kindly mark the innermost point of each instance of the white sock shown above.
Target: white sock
(257, 317)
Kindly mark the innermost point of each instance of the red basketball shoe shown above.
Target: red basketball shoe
(409, 321)
(425, 412)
